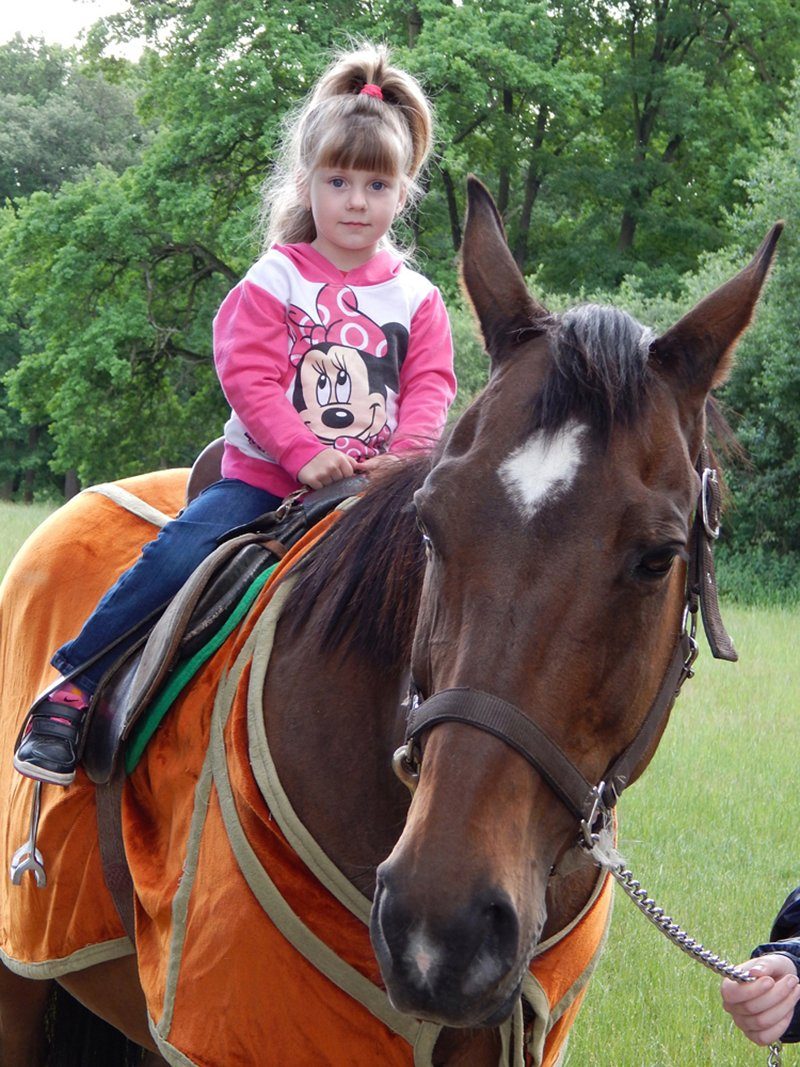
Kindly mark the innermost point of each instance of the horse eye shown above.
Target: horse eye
(656, 564)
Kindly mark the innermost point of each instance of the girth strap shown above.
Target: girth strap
(116, 872)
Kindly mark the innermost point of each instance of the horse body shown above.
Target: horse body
(550, 572)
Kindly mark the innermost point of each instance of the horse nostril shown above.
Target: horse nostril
(501, 928)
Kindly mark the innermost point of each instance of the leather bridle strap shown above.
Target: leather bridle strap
(506, 722)
(702, 579)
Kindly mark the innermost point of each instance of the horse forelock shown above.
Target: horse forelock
(363, 579)
(599, 374)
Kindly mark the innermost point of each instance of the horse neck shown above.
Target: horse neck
(337, 678)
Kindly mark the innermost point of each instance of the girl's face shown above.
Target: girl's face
(352, 211)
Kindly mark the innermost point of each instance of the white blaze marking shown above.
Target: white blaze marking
(543, 468)
(424, 955)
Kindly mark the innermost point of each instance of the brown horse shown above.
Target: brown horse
(539, 557)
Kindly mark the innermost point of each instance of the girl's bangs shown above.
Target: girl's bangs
(369, 146)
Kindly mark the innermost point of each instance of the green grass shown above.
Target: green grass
(709, 831)
(16, 522)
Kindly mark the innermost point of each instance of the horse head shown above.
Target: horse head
(556, 521)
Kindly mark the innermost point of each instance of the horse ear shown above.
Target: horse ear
(698, 349)
(494, 285)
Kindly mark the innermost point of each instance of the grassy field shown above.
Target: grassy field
(709, 831)
(16, 522)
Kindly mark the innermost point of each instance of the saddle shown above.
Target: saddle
(197, 613)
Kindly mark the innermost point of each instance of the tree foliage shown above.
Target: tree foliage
(765, 390)
(634, 149)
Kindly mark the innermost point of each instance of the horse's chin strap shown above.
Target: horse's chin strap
(590, 804)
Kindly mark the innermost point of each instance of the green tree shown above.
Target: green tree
(765, 388)
(688, 93)
(116, 350)
(509, 97)
(612, 135)
(56, 122)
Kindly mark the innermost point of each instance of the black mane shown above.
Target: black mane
(364, 577)
(600, 370)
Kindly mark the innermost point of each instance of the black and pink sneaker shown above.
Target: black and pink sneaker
(48, 751)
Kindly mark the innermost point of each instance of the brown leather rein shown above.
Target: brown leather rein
(590, 804)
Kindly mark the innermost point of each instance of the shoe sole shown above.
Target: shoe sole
(40, 774)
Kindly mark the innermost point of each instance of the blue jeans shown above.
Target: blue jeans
(163, 567)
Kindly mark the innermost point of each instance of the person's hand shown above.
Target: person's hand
(763, 1009)
(375, 463)
(325, 468)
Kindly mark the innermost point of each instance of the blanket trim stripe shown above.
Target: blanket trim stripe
(79, 960)
(134, 504)
(180, 902)
(582, 981)
(269, 784)
(180, 905)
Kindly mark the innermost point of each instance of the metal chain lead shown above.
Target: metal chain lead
(679, 937)
(670, 929)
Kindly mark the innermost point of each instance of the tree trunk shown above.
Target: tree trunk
(452, 207)
(71, 484)
(504, 185)
(533, 183)
(29, 474)
(414, 23)
(627, 231)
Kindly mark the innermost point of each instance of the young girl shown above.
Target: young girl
(332, 353)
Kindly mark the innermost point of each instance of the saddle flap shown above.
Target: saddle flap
(106, 722)
(196, 614)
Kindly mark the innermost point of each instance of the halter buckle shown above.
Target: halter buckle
(689, 627)
(597, 819)
(406, 764)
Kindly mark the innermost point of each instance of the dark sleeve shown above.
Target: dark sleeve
(785, 936)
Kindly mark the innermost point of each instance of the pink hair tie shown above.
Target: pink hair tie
(372, 90)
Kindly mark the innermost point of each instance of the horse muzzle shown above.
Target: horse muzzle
(461, 967)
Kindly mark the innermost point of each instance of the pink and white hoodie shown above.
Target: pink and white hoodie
(311, 357)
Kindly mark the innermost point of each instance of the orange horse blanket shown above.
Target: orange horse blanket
(248, 939)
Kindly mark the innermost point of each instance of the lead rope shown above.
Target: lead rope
(606, 855)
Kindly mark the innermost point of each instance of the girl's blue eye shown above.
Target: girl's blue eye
(337, 183)
(378, 186)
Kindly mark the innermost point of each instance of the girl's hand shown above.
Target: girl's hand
(763, 1009)
(368, 466)
(325, 468)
